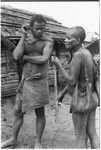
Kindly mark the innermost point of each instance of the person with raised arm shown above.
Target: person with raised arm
(34, 49)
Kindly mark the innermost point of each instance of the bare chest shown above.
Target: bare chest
(35, 48)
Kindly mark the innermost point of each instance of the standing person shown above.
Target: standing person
(84, 123)
(34, 48)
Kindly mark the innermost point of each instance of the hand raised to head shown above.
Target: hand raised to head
(24, 28)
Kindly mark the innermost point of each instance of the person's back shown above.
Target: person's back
(86, 61)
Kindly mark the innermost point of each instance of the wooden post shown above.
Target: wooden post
(55, 96)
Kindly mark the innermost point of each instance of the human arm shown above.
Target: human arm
(71, 77)
(19, 50)
(42, 58)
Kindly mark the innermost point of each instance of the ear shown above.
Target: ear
(78, 40)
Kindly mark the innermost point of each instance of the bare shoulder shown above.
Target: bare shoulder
(47, 38)
(86, 52)
(78, 54)
(83, 52)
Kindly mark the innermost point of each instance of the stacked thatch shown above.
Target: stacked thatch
(11, 22)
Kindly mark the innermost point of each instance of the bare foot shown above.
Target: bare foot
(10, 142)
(38, 145)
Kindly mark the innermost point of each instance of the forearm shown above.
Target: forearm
(66, 75)
(35, 59)
(18, 52)
(68, 89)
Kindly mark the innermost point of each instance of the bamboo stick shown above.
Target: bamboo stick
(55, 96)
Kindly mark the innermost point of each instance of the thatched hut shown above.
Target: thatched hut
(11, 22)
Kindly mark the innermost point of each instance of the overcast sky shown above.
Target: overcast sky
(85, 14)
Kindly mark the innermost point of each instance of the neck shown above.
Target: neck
(77, 48)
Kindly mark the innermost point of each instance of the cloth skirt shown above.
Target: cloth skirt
(35, 94)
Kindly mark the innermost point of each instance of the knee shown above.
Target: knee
(40, 112)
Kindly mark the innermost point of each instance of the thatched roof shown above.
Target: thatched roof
(12, 20)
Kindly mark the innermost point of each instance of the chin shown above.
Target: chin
(36, 36)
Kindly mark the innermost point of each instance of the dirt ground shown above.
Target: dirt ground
(56, 136)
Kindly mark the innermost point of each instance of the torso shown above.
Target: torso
(87, 59)
(34, 49)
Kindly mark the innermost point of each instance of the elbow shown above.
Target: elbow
(15, 56)
(70, 81)
(44, 60)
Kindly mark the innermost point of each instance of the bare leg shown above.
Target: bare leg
(80, 121)
(87, 140)
(91, 130)
(40, 125)
(16, 126)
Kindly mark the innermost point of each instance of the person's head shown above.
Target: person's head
(37, 25)
(75, 37)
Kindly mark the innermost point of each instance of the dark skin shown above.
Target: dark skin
(84, 125)
(36, 57)
(35, 61)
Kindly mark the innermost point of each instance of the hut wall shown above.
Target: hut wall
(9, 75)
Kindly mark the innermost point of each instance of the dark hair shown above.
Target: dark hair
(79, 32)
(39, 18)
